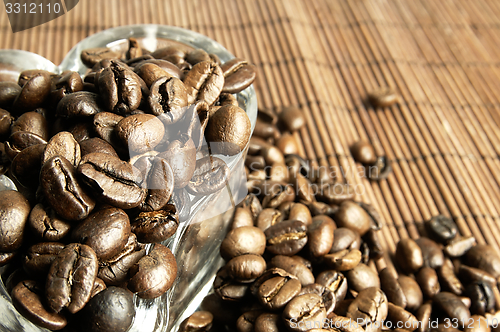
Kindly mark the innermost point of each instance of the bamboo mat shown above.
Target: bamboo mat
(325, 56)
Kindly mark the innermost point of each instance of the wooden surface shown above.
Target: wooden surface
(325, 56)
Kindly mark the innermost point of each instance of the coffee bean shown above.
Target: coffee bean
(204, 82)
(400, 317)
(343, 260)
(200, 321)
(485, 258)
(106, 231)
(120, 89)
(286, 238)
(26, 165)
(481, 296)
(392, 289)
(423, 315)
(238, 75)
(14, 212)
(327, 296)
(27, 298)
(92, 56)
(470, 275)
(40, 256)
(291, 118)
(168, 98)
(345, 238)
(320, 235)
(364, 152)
(243, 240)
(210, 176)
(104, 126)
(63, 144)
(69, 82)
(274, 194)
(181, 156)
(110, 310)
(383, 97)
(362, 277)
(451, 306)
(246, 322)
(96, 144)
(228, 139)
(459, 246)
(267, 218)
(442, 228)
(149, 72)
(62, 190)
(34, 93)
(229, 289)
(46, 224)
(20, 141)
(409, 255)
(369, 306)
(268, 322)
(412, 291)
(140, 133)
(114, 181)
(293, 267)
(427, 279)
(246, 268)
(71, 278)
(431, 252)
(155, 226)
(335, 193)
(335, 282)
(153, 274)
(352, 216)
(8, 93)
(304, 312)
(448, 279)
(32, 122)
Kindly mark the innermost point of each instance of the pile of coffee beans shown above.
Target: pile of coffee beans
(298, 259)
(104, 166)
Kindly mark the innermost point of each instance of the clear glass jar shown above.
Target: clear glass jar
(197, 240)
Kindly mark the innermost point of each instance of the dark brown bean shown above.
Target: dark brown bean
(92, 56)
(293, 267)
(243, 240)
(140, 133)
(291, 118)
(485, 258)
(210, 176)
(40, 256)
(363, 152)
(286, 238)
(238, 75)
(246, 268)
(200, 321)
(392, 289)
(409, 255)
(204, 82)
(304, 312)
(428, 281)
(412, 291)
(383, 97)
(46, 224)
(334, 281)
(320, 235)
(451, 306)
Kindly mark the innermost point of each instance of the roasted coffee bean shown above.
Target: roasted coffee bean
(428, 281)
(383, 97)
(120, 89)
(409, 255)
(304, 312)
(34, 93)
(110, 310)
(26, 165)
(204, 82)
(79, 104)
(293, 267)
(335, 282)
(46, 224)
(459, 246)
(195, 122)
(229, 289)
(114, 271)
(392, 289)
(197, 55)
(296, 211)
(364, 152)
(345, 238)
(154, 274)
(343, 260)
(92, 56)
(6, 121)
(32, 122)
(400, 317)
(68, 83)
(482, 297)
(246, 322)
(335, 193)
(114, 181)
(99, 286)
(27, 298)
(423, 315)
(274, 194)
(265, 130)
(150, 72)
(442, 228)
(71, 278)
(104, 126)
(484, 257)
(291, 118)
(362, 277)
(200, 321)
(242, 217)
(181, 156)
(253, 203)
(303, 189)
(279, 172)
(470, 275)
(134, 49)
(40, 256)
(352, 216)
(167, 66)
(63, 144)
(155, 226)
(228, 130)
(286, 238)
(320, 235)
(210, 176)
(238, 75)
(8, 93)
(412, 291)
(243, 240)
(158, 179)
(448, 279)
(296, 165)
(451, 306)
(246, 268)
(380, 170)
(268, 322)
(372, 240)
(14, 212)
(106, 231)
(96, 144)
(21, 140)
(431, 252)
(168, 98)
(370, 306)
(327, 296)
(140, 133)
(267, 218)
(62, 190)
